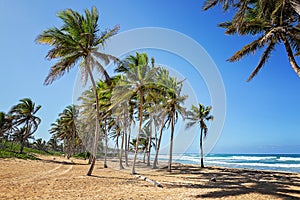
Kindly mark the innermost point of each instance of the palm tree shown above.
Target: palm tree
(65, 129)
(40, 144)
(70, 133)
(105, 94)
(122, 119)
(2, 123)
(24, 115)
(52, 144)
(137, 80)
(6, 125)
(147, 139)
(272, 22)
(172, 106)
(87, 110)
(78, 41)
(198, 115)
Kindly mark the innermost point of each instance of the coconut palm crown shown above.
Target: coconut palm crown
(198, 116)
(270, 22)
(78, 41)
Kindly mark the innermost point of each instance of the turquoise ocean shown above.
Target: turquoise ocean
(273, 162)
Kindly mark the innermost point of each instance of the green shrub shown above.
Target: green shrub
(12, 154)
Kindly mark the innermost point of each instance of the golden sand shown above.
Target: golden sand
(59, 178)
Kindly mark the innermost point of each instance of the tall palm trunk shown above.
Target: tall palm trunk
(171, 142)
(139, 132)
(121, 152)
(154, 166)
(201, 148)
(150, 144)
(291, 55)
(94, 153)
(117, 143)
(106, 145)
(128, 139)
(155, 136)
(126, 149)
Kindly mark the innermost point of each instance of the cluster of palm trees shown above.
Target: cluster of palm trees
(270, 22)
(64, 130)
(140, 92)
(20, 123)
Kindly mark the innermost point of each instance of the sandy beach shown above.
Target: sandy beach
(59, 178)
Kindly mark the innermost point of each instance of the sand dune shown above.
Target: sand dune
(59, 178)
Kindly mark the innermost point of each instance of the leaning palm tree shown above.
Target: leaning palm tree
(198, 116)
(271, 22)
(78, 41)
(278, 23)
(24, 114)
(136, 81)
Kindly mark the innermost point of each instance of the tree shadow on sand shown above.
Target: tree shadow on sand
(63, 162)
(235, 182)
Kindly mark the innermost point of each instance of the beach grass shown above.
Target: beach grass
(11, 150)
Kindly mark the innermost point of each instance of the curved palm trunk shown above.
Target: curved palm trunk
(139, 132)
(291, 57)
(154, 166)
(94, 153)
(201, 148)
(171, 143)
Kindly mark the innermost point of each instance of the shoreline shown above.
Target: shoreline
(59, 178)
(270, 162)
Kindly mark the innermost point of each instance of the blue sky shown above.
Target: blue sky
(262, 116)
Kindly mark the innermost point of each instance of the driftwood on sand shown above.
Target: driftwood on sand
(155, 183)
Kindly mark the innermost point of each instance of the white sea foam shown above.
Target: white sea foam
(253, 157)
(196, 158)
(241, 161)
(275, 165)
(288, 159)
(245, 158)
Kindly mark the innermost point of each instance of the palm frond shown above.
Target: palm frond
(249, 48)
(60, 68)
(263, 60)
